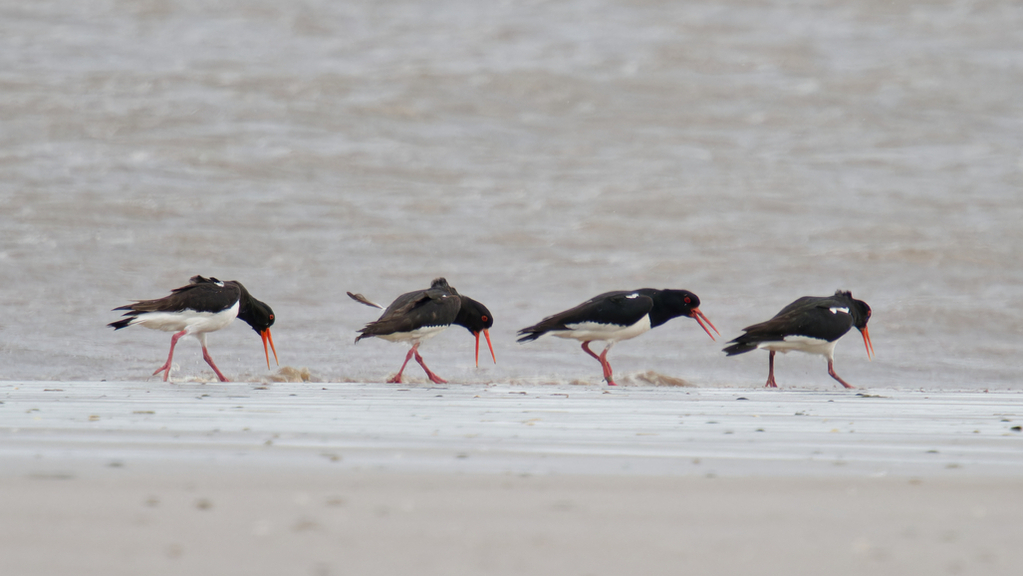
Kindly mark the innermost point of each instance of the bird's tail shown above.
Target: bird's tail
(740, 345)
(122, 323)
(531, 333)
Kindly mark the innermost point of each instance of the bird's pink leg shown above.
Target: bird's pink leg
(397, 377)
(167, 366)
(831, 371)
(586, 348)
(433, 377)
(770, 373)
(607, 367)
(603, 362)
(209, 359)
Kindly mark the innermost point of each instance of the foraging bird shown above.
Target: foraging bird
(416, 316)
(615, 316)
(205, 305)
(810, 324)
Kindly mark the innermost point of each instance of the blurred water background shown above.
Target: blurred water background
(534, 153)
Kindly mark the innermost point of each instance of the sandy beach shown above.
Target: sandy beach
(300, 478)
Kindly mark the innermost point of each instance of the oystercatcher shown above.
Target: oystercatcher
(416, 316)
(615, 316)
(811, 324)
(204, 305)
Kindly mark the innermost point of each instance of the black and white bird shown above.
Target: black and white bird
(811, 324)
(205, 305)
(417, 316)
(616, 316)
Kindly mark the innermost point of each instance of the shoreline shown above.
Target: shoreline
(547, 429)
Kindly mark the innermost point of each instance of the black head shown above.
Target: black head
(681, 302)
(858, 309)
(862, 315)
(474, 317)
(257, 314)
(860, 312)
(674, 303)
(261, 317)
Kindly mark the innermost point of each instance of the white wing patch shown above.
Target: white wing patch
(631, 296)
(836, 310)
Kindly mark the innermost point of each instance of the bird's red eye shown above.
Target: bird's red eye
(271, 316)
(484, 318)
(688, 300)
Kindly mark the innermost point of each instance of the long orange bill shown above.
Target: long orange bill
(866, 342)
(700, 318)
(267, 337)
(489, 345)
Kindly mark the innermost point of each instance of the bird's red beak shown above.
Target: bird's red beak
(700, 319)
(489, 345)
(267, 338)
(866, 342)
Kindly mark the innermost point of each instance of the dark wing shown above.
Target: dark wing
(620, 308)
(201, 295)
(823, 318)
(414, 310)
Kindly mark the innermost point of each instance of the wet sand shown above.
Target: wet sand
(355, 478)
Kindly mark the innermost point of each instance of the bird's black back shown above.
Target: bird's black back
(436, 306)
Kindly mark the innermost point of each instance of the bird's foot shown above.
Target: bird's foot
(831, 372)
(435, 379)
(166, 372)
(395, 380)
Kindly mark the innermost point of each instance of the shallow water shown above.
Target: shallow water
(533, 153)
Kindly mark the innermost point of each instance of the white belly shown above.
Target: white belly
(190, 321)
(590, 331)
(801, 344)
(417, 335)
